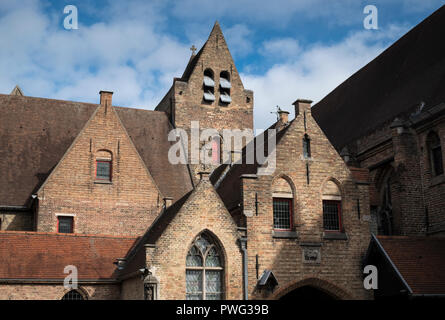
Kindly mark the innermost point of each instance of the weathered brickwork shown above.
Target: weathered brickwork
(124, 206)
(401, 156)
(203, 212)
(57, 291)
(340, 259)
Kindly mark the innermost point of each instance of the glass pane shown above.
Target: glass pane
(194, 258)
(213, 296)
(202, 243)
(190, 296)
(212, 259)
(65, 225)
(103, 170)
(193, 281)
(331, 215)
(281, 213)
(213, 282)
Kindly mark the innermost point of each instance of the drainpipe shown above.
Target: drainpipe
(243, 247)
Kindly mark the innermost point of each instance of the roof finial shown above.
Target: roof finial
(193, 49)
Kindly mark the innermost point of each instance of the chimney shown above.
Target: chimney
(105, 97)
(302, 105)
(204, 175)
(283, 119)
(168, 202)
(283, 116)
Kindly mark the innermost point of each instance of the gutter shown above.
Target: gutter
(243, 247)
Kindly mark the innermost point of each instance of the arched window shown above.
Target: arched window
(209, 86)
(73, 295)
(435, 154)
(103, 165)
(331, 207)
(282, 204)
(224, 87)
(204, 270)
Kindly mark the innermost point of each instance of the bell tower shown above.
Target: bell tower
(210, 90)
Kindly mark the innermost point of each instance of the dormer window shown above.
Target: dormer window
(224, 87)
(209, 86)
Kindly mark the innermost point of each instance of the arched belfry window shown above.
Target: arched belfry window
(435, 153)
(332, 207)
(224, 87)
(204, 270)
(209, 86)
(282, 205)
(73, 295)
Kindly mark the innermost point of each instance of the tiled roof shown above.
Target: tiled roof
(36, 255)
(395, 83)
(36, 132)
(420, 261)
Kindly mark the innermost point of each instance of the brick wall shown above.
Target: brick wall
(56, 291)
(126, 206)
(340, 259)
(202, 211)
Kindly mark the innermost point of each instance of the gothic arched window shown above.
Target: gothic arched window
(73, 295)
(435, 154)
(204, 270)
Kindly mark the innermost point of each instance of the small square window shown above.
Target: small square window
(103, 170)
(65, 224)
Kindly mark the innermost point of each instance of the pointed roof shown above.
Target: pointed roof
(17, 91)
(214, 36)
(39, 255)
(36, 132)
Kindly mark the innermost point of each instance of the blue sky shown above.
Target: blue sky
(283, 49)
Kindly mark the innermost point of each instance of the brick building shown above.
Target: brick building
(389, 118)
(91, 186)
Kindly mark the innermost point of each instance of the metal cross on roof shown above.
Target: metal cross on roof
(193, 49)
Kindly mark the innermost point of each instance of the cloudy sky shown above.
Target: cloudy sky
(284, 49)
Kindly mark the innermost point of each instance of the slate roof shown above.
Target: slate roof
(419, 260)
(36, 132)
(37, 255)
(408, 72)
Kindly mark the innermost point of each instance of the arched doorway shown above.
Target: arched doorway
(307, 293)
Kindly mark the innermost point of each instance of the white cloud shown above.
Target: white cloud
(126, 52)
(314, 72)
(283, 48)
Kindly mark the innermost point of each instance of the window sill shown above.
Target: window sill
(102, 182)
(284, 234)
(335, 236)
(437, 180)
